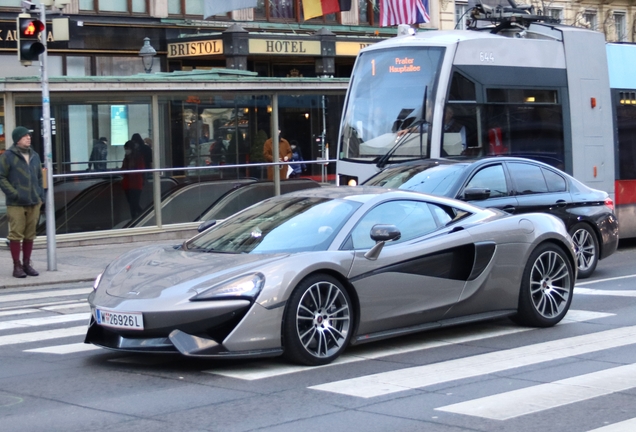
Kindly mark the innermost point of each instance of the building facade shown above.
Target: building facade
(96, 98)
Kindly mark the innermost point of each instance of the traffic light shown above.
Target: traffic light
(29, 45)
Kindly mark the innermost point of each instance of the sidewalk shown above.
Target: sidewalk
(74, 264)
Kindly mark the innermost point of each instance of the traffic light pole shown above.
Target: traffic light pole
(48, 153)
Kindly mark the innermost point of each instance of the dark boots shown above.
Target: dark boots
(27, 248)
(22, 270)
(18, 270)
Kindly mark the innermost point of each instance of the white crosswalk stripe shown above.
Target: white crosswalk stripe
(44, 294)
(624, 426)
(505, 406)
(422, 376)
(35, 322)
(271, 368)
(65, 349)
(42, 335)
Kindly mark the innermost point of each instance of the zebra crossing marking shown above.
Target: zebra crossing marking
(624, 426)
(42, 335)
(271, 368)
(41, 321)
(44, 294)
(604, 292)
(65, 349)
(516, 403)
(422, 376)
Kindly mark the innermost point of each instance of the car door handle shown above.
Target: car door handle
(509, 209)
(561, 203)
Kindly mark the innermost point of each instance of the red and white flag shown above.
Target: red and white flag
(394, 12)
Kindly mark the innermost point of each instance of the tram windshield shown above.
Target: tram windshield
(388, 104)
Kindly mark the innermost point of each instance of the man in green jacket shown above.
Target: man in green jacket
(21, 182)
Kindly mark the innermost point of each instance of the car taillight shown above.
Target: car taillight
(609, 203)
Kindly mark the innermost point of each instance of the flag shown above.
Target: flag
(394, 12)
(218, 7)
(315, 8)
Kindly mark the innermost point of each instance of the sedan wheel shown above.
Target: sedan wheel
(586, 249)
(546, 288)
(318, 321)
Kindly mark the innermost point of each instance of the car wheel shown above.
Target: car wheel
(318, 321)
(586, 249)
(546, 288)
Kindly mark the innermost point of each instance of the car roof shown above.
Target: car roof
(364, 194)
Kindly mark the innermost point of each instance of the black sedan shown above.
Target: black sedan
(517, 185)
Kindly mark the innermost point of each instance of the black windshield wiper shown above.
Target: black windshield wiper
(418, 123)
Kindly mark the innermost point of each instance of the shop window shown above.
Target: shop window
(3, 141)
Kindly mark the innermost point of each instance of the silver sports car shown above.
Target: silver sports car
(310, 272)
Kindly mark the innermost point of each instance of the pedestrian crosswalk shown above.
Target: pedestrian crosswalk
(53, 323)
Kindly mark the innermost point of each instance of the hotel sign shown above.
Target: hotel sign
(277, 47)
(350, 48)
(284, 47)
(195, 48)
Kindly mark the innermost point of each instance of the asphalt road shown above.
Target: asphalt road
(579, 376)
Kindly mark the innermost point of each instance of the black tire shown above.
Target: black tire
(318, 321)
(587, 250)
(547, 287)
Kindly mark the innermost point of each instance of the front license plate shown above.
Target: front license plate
(129, 320)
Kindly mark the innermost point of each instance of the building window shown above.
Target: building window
(114, 6)
(619, 27)
(174, 7)
(194, 7)
(86, 5)
(590, 19)
(461, 15)
(556, 14)
(118, 6)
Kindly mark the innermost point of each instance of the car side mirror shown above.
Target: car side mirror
(476, 194)
(381, 234)
(385, 232)
(205, 225)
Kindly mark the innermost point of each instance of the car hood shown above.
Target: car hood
(164, 271)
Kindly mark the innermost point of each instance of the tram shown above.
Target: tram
(524, 87)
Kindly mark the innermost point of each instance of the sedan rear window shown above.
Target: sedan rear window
(435, 180)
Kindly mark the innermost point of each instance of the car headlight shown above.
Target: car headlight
(98, 279)
(242, 287)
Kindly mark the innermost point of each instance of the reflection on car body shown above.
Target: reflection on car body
(517, 185)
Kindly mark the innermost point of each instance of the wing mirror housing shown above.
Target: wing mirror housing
(205, 225)
(476, 194)
(381, 233)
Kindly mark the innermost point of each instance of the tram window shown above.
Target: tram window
(491, 177)
(626, 121)
(555, 182)
(528, 178)
(462, 89)
(524, 96)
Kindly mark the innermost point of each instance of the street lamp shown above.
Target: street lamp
(147, 54)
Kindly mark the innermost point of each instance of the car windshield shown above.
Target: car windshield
(386, 99)
(282, 224)
(435, 180)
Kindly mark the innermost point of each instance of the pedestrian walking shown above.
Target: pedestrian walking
(21, 182)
